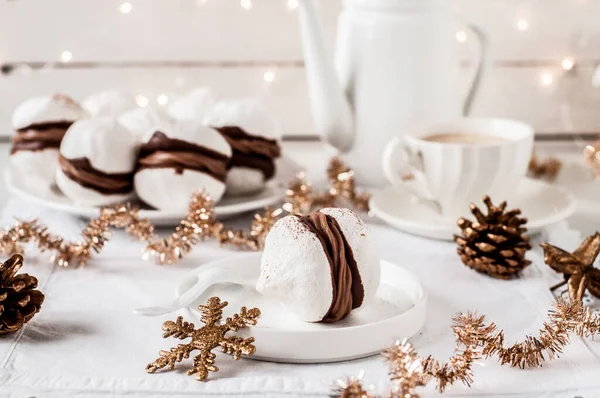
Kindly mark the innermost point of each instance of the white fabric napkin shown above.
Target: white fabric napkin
(87, 342)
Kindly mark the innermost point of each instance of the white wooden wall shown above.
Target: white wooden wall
(168, 46)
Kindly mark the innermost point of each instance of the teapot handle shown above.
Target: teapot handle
(482, 37)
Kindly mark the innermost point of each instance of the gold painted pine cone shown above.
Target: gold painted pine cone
(494, 244)
(19, 299)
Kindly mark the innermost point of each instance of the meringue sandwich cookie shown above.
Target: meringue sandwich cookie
(108, 103)
(253, 135)
(97, 161)
(40, 124)
(179, 160)
(320, 266)
(142, 121)
(193, 106)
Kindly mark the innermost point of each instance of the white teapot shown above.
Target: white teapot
(397, 67)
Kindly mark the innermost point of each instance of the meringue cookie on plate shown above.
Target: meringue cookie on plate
(40, 124)
(320, 266)
(108, 103)
(179, 160)
(193, 106)
(97, 160)
(143, 121)
(254, 136)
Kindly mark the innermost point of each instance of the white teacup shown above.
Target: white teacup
(457, 162)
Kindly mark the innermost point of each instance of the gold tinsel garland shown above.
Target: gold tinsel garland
(476, 340)
(199, 225)
(350, 387)
(301, 199)
(547, 169)
(592, 158)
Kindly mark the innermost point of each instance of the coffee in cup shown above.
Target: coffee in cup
(455, 163)
(464, 138)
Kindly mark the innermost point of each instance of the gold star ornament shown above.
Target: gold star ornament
(577, 267)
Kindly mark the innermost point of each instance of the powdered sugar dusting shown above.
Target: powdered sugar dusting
(296, 271)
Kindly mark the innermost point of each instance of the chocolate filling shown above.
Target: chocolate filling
(251, 151)
(37, 137)
(164, 152)
(266, 166)
(81, 171)
(348, 291)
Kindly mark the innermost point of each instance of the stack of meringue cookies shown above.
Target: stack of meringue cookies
(107, 150)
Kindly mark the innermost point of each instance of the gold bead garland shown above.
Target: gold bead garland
(477, 340)
(200, 224)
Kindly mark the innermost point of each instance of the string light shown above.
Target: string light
(269, 76)
(141, 100)
(162, 99)
(568, 63)
(546, 79)
(522, 25)
(246, 4)
(66, 56)
(125, 7)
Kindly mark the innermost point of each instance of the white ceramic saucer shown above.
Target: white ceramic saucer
(541, 203)
(52, 198)
(397, 311)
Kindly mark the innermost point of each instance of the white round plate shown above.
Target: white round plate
(541, 203)
(397, 311)
(53, 198)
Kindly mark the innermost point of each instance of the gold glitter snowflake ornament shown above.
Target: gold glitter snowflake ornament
(207, 338)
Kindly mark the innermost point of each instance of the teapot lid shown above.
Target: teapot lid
(394, 4)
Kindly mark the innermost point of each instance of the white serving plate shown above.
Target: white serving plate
(543, 204)
(397, 311)
(53, 198)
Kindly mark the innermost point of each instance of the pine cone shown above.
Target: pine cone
(19, 300)
(495, 244)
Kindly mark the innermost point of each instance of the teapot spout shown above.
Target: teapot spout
(331, 109)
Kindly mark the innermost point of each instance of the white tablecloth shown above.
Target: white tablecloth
(87, 342)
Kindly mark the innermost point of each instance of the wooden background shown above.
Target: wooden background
(166, 47)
